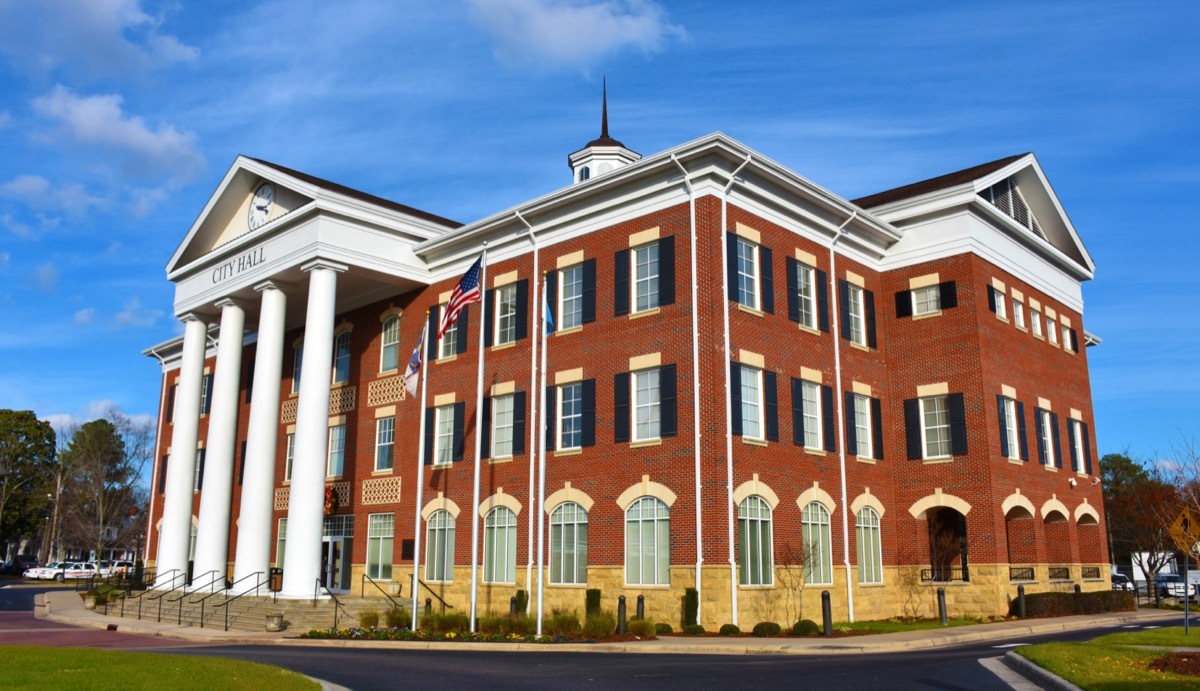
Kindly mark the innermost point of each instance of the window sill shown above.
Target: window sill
(441, 466)
(387, 373)
(503, 346)
(1054, 343)
(1022, 328)
(808, 329)
(448, 358)
(339, 384)
(568, 332)
(332, 478)
(937, 460)
(645, 443)
(385, 471)
(1039, 337)
(1016, 461)
(927, 315)
(568, 586)
(666, 586)
(760, 586)
(502, 459)
(1002, 319)
(568, 452)
(754, 442)
(1051, 468)
(864, 459)
(645, 313)
(749, 310)
(871, 585)
(820, 453)
(859, 346)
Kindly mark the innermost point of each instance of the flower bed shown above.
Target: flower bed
(405, 634)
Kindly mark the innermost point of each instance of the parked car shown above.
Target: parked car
(1172, 585)
(1120, 582)
(42, 572)
(21, 564)
(76, 570)
(122, 568)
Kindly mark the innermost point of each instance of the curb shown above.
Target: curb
(1042, 677)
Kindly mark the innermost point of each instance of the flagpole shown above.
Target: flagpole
(541, 505)
(416, 581)
(474, 511)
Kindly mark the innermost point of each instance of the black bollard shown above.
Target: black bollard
(512, 606)
(1020, 602)
(428, 605)
(622, 629)
(641, 607)
(942, 605)
(826, 613)
(1078, 589)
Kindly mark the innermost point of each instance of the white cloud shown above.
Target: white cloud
(45, 277)
(62, 421)
(85, 316)
(99, 120)
(571, 33)
(15, 226)
(94, 37)
(37, 192)
(136, 314)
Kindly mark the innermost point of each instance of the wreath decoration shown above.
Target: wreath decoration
(331, 500)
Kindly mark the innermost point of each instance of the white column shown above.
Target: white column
(302, 565)
(258, 486)
(176, 534)
(212, 535)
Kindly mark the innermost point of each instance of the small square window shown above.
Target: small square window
(927, 300)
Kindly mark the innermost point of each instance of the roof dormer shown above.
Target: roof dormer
(601, 155)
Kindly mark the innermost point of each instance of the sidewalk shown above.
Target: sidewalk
(67, 607)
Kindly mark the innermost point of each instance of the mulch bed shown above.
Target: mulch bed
(1187, 664)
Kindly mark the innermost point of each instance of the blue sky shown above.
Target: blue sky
(119, 117)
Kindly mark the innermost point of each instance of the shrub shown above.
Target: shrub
(561, 623)
(663, 629)
(642, 628)
(1066, 604)
(397, 618)
(522, 601)
(766, 628)
(691, 599)
(694, 630)
(591, 601)
(729, 630)
(441, 622)
(805, 627)
(600, 624)
(368, 618)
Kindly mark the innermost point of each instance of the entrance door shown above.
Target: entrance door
(335, 563)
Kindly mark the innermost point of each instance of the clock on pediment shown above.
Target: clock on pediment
(260, 205)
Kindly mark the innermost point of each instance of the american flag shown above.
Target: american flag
(466, 292)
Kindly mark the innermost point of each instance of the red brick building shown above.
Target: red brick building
(755, 388)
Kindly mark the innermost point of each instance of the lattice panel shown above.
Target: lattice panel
(343, 494)
(287, 411)
(385, 391)
(342, 400)
(281, 498)
(385, 490)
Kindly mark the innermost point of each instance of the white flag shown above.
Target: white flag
(413, 373)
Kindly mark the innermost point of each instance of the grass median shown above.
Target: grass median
(28, 667)
(1115, 661)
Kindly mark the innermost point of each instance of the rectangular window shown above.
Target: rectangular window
(380, 530)
(1077, 436)
(198, 471)
(812, 415)
(927, 300)
(506, 314)
(935, 427)
(448, 345)
(502, 426)
(341, 358)
(206, 394)
(858, 322)
(747, 273)
(1035, 321)
(862, 426)
(337, 451)
(389, 353)
(1052, 330)
(290, 455)
(646, 273)
(806, 293)
(646, 406)
(1066, 341)
(570, 416)
(1047, 432)
(443, 445)
(385, 442)
(1018, 313)
(1001, 306)
(570, 307)
(297, 360)
(281, 543)
(1010, 428)
(752, 404)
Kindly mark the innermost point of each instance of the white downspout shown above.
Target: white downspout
(733, 579)
(840, 398)
(534, 395)
(695, 383)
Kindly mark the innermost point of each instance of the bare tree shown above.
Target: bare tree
(789, 570)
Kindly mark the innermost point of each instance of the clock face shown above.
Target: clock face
(260, 205)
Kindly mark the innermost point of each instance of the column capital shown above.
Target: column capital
(327, 264)
(273, 284)
(229, 302)
(191, 317)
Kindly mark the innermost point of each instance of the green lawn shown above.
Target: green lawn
(1171, 636)
(28, 667)
(1109, 663)
(898, 625)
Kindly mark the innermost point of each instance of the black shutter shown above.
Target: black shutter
(1003, 425)
(767, 270)
(249, 380)
(869, 312)
(792, 267)
(200, 475)
(208, 388)
(1074, 340)
(621, 407)
(522, 309)
(171, 403)
(588, 417)
(903, 304)
(991, 298)
(844, 307)
(621, 283)
(948, 294)
(1057, 443)
(551, 298)
(797, 412)
(1087, 448)
(912, 429)
(1075, 465)
(489, 309)
(668, 422)
(1021, 435)
(958, 425)
(242, 465)
(830, 419)
(735, 399)
(486, 442)
(551, 415)
(162, 474)
(464, 325)
(877, 428)
(1039, 425)
(589, 291)
(851, 432)
(431, 339)
(460, 414)
(822, 301)
(518, 445)
(771, 400)
(430, 439)
(666, 270)
(731, 272)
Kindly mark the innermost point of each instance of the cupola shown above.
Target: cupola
(603, 154)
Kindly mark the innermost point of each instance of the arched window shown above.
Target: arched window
(568, 544)
(341, 358)
(754, 541)
(870, 549)
(439, 551)
(389, 357)
(500, 546)
(584, 173)
(818, 556)
(647, 542)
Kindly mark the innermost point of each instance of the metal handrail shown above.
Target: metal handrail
(159, 598)
(337, 604)
(363, 589)
(257, 584)
(434, 593)
(181, 598)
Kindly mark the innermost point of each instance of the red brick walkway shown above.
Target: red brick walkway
(22, 628)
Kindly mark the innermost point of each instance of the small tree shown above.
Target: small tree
(1139, 505)
(27, 461)
(789, 570)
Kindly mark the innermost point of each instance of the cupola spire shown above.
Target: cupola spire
(602, 154)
